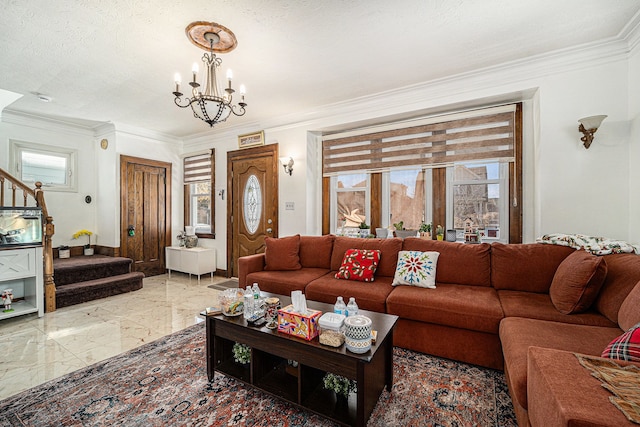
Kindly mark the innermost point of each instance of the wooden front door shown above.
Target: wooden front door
(252, 204)
(145, 213)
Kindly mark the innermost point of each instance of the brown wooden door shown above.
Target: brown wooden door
(145, 213)
(253, 201)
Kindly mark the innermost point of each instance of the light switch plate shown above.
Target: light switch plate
(289, 206)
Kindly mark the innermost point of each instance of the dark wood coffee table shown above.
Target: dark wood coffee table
(272, 371)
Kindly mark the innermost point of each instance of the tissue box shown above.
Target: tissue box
(299, 325)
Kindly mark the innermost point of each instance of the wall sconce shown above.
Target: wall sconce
(589, 126)
(287, 163)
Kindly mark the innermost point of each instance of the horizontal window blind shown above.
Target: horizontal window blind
(197, 168)
(461, 139)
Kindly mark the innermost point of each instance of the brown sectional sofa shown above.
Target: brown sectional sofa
(491, 307)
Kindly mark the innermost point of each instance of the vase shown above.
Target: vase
(440, 237)
(342, 401)
(88, 251)
(64, 253)
(425, 235)
(191, 242)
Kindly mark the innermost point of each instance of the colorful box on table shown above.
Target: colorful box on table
(299, 325)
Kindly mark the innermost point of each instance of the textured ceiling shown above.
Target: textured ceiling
(115, 60)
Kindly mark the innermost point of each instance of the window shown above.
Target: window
(54, 167)
(406, 198)
(477, 200)
(199, 184)
(460, 171)
(350, 197)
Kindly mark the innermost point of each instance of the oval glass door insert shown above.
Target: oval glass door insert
(252, 204)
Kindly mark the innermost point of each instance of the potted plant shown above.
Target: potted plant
(241, 353)
(64, 251)
(401, 232)
(425, 231)
(364, 229)
(340, 385)
(88, 250)
(439, 232)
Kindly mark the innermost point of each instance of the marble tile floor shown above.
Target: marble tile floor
(34, 350)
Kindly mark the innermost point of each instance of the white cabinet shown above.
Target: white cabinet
(21, 271)
(192, 260)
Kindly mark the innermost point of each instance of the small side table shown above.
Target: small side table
(196, 260)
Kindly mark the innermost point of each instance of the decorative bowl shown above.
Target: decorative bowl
(231, 302)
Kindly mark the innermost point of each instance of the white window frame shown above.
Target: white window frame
(503, 181)
(18, 147)
(334, 198)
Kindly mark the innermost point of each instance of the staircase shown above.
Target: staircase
(86, 278)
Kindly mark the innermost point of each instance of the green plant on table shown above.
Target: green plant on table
(439, 230)
(399, 225)
(364, 226)
(241, 353)
(339, 384)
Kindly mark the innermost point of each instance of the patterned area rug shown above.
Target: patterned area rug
(164, 383)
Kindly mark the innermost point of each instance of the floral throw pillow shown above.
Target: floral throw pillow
(416, 268)
(626, 346)
(359, 264)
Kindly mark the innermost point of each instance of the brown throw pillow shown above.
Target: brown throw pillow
(282, 253)
(577, 282)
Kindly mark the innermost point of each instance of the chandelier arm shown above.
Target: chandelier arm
(240, 109)
(178, 101)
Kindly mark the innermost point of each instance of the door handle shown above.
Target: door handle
(269, 230)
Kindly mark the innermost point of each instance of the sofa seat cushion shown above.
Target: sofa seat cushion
(457, 263)
(557, 403)
(476, 308)
(369, 296)
(518, 334)
(539, 306)
(283, 282)
(526, 267)
(388, 248)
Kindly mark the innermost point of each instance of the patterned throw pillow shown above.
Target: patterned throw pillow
(359, 264)
(416, 269)
(626, 346)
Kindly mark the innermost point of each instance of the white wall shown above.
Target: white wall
(634, 145)
(69, 211)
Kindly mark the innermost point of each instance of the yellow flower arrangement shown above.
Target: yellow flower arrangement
(87, 233)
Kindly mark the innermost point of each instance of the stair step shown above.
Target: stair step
(88, 290)
(83, 268)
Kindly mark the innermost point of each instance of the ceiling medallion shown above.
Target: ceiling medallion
(210, 105)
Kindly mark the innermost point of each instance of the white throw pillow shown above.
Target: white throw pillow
(416, 268)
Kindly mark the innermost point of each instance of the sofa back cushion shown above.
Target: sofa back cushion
(577, 282)
(389, 249)
(282, 253)
(315, 251)
(526, 267)
(458, 263)
(622, 275)
(629, 313)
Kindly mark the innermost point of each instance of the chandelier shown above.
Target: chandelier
(208, 102)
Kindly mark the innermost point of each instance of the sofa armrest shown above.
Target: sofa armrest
(249, 264)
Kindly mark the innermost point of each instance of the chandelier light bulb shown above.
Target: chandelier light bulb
(243, 90)
(229, 74)
(195, 68)
(177, 79)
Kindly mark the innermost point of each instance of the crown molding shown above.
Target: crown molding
(146, 134)
(508, 77)
(631, 32)
(52, 124)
